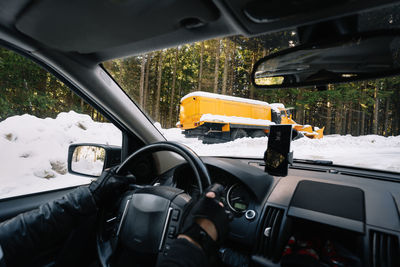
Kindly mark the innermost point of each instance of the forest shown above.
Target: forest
(157, 81)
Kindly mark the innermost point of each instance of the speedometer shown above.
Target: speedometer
(238, 198)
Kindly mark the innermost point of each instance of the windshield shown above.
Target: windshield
(200, 94)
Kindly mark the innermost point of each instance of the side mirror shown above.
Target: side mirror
(91, 159)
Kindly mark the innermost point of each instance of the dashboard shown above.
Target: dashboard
(346, 216)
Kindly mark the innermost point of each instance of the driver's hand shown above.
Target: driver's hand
(210, 215)
(109, 187)
(208, 225)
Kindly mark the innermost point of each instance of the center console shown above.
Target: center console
(323, 225)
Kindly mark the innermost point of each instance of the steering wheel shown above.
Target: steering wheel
(149, 218)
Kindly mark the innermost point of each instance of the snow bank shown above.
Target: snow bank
(234, 119)
(225, 97)
(33, 151)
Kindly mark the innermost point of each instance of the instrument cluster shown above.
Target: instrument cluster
(236, 196)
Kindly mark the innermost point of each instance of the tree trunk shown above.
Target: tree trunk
(71, 103)
(216, 70)
(172, 104)
(362, 125)
(396, 123)
(344, 120)
(82, 105)
(201, 65)
(362, 109)
(358, 120)
(385, 130)
(141, 82)
(328, 117)
(300, 109)
(328, 112)
(226, 62)
(375, 112)
(396, 115)
(146, 81)
(350, 119)
(159, 74)
(253, 60)
(232, 68)
(301, 115)
(338, 118)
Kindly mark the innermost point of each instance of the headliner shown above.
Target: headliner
(107, 29)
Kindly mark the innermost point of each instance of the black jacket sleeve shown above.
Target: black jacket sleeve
(183, 253)
(29, 233)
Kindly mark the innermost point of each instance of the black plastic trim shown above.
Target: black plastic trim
(324, 218)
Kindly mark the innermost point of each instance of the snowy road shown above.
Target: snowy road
(33, 151)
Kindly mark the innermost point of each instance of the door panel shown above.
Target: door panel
(11, 207)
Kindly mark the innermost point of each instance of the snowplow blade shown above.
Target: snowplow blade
(318, 134)
(308, 131)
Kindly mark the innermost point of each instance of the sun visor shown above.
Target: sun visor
(260, 16)
(92, 25)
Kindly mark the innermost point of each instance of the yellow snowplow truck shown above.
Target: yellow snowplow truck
(216, 118)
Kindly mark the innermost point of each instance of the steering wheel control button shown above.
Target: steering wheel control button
(171, 231)
(167, 248)
(175, 215)
(250, 215)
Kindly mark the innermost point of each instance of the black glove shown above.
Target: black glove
(208, 208)
(109, 187)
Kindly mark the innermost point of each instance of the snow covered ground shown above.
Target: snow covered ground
(33, 151)
(370, 151)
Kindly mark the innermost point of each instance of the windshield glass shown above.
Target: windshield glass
(200, 94)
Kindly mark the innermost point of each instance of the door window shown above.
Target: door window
(39, 118)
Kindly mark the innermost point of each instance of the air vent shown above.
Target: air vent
(384, 249)
(270, 231)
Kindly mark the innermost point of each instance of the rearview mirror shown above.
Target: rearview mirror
(92, 159)
(354, 57)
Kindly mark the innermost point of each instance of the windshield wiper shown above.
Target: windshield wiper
(317, 162)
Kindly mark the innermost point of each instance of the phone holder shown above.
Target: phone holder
(278, 156)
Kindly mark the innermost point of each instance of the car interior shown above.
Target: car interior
(357, 210)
